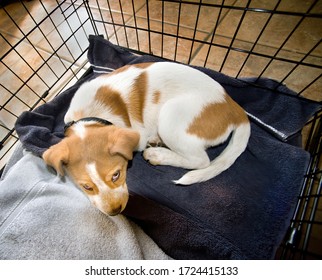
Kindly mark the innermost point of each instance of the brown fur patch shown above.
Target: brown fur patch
(215, 118)
(119, 70)
(78, 115)
(156, 97)
(114, 101)
(143, 65)
(126, 67)
(137, 97)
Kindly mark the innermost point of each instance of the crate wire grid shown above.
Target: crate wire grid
(47, 53)
(52, 56)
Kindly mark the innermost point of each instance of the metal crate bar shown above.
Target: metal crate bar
(68, 65)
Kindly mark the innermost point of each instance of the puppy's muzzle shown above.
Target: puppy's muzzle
(111, 204)
(115, 211)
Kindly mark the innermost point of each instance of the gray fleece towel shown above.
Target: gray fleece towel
(45, 217)
(241, 214)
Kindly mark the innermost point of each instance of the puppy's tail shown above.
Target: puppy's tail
(234, 149)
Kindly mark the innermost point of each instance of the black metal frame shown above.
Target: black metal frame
(298, 242)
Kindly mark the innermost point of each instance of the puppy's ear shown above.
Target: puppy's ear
(56, 156)
(124, 142)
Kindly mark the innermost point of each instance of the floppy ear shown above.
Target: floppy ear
(124, 142)
(56, 156)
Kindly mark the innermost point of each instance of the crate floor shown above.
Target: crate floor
(32, 63)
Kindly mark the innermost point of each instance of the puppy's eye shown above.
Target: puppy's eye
(87, 187)
(116, 176)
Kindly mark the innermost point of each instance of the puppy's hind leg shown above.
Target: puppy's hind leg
(185, 150)
(164, 156)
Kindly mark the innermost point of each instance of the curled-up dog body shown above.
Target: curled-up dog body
(137, 107)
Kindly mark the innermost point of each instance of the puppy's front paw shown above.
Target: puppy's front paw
(155, 142)
(152, 155)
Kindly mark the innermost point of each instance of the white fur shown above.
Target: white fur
(92, 172)
(80, 128)
(184, 92)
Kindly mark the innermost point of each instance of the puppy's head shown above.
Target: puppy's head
(96, 157)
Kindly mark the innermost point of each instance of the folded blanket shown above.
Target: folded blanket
(43, 217)
(241, 214)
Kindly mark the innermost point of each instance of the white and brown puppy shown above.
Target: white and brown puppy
(147, 103)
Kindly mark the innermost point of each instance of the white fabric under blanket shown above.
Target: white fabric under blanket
(44, 216)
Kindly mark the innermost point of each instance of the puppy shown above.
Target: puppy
(146, 103)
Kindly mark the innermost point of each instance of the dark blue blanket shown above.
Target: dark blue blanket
(241, 214)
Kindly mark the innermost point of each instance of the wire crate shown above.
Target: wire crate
(44, 45)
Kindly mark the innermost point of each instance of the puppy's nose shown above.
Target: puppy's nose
(115, 211)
